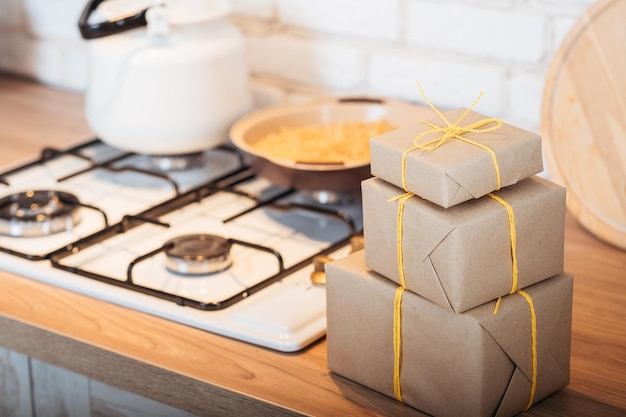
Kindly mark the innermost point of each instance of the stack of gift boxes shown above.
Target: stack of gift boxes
(458, 304)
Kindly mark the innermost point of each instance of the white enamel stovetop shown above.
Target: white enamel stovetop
(287, 315)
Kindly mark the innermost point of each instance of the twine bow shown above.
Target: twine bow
(453, 131)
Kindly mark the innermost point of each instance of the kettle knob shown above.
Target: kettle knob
(157, 18)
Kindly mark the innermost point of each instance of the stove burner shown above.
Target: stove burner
(197, 254)
(331, 197)
(167, 163)
(36, 213)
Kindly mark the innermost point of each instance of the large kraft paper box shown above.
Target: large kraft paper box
(457, 171)
(461, 257)
(472, 364)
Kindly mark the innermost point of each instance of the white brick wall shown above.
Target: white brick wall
(263, 9)
(447, 82)
(10, 15)
(327, 64)
(478, 31)
(302, 48)
(372, 19)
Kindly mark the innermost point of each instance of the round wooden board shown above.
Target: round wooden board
(584, 120)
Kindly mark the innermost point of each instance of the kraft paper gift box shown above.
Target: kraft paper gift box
(461, 257)
(475, 363)
(457, 171)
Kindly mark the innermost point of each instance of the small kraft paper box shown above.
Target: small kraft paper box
(466, 255)
(445, 364)
(466, 165)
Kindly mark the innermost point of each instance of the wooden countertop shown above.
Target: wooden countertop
(208, 374)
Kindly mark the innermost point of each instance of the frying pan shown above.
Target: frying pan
(335, 177)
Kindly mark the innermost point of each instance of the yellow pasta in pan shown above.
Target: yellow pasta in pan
(323, 143)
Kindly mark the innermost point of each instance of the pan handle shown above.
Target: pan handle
(369, 100)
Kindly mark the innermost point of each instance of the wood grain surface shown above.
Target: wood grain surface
(584, 120)
(207, 374)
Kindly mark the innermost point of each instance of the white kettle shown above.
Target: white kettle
(167, 78)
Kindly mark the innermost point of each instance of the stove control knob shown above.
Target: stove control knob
(318, 276)
(357, 243)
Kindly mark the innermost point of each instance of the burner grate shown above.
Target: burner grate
(91, 156)
(225, 185)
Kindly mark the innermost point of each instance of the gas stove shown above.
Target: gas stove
(199, 240)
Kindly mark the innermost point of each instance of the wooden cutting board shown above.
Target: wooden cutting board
(584, 120)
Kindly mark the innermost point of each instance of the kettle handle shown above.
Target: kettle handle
(102, 29)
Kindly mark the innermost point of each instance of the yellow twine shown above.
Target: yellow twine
(450, 131)
(513, 239)
(397, 341)
(497, 306)
(533, 322)
(397, 316)
(397, 303)
(533, 345)
(402, 199)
